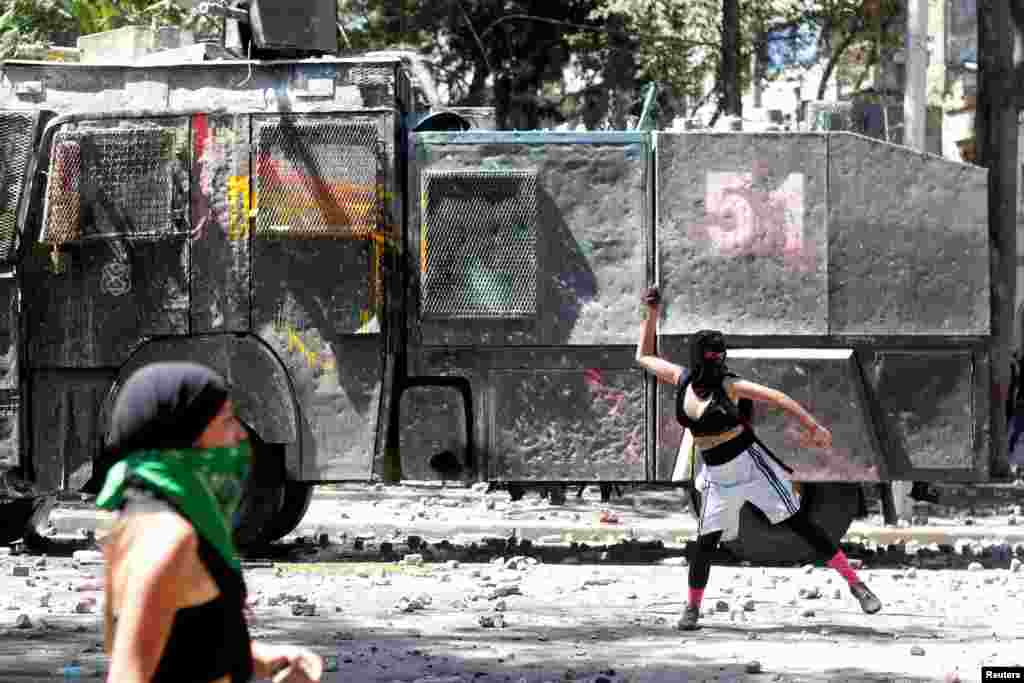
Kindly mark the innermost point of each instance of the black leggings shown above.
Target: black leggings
(799, 524)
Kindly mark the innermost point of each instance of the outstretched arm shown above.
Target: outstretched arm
(758, 392)
(646, 354)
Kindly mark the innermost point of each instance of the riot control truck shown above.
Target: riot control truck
(383, 298)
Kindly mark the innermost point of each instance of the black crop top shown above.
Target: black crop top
(720, 415)
(211, 640)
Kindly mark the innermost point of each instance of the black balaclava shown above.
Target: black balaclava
(162, 405)
(707, 373)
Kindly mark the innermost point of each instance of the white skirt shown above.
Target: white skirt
(751, 476)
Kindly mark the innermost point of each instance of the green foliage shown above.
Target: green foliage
(32, 22)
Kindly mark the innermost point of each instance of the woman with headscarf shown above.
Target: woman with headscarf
(178, 459)
(736, 469)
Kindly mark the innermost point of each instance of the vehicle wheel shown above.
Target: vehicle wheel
(296, 497)
(255, 516)
(832, 506)
(263, 495)
(15, 515)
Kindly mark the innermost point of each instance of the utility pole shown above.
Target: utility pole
(996, 134)
(915, 121)
(915, 103)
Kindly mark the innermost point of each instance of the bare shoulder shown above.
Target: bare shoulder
(160, 539)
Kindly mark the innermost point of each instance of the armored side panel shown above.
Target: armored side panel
(531, 249)
(849, 273)
(278, 218)
(19, 132)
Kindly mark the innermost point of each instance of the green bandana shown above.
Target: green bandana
(205, 483)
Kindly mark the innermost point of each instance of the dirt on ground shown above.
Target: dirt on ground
(521, 619)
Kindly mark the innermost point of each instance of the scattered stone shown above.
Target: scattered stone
(807, 613)
(631, 596)
(721, 606)
(300, 609)
(22, 622)
(492, 621)
(810, 593)
(808, 568)
(748, 606)
(917, 651)
(413, 560)
(679, 561)
(504, 591)
(500, 606)
(975, 567)
(87, 557)
(911, 573)
(599, 581)
(753, 667)
(452, 564)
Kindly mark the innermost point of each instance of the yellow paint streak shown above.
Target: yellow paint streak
(314, 360)
(238, 207)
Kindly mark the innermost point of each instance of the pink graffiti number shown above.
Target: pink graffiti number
(743, 219)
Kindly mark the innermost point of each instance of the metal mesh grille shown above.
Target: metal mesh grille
(478, 244)
(369, 75)
(10, 399)
(318, 179)
(120, 177)
(16, 133)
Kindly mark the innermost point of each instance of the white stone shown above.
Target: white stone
(87, 557)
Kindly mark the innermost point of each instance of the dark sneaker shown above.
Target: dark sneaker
(688, 622)
(869, 602)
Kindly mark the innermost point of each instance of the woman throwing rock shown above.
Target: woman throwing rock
(736, 469)
(175, 593)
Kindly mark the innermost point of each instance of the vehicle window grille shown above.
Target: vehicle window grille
(117, 181)
(318, 179)
(17, 131)
(478, 244)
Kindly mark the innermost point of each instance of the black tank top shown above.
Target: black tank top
(720, 415)
(211, 640)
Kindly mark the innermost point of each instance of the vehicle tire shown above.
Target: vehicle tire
(15, 515)
(296, 497)
(263, 495)
(832, 506)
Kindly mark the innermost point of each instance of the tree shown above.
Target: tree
(25, 23)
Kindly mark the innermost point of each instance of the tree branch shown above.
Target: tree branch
(479, 43)
(844, 44)
(585, 27)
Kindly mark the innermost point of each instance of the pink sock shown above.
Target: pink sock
(696, 595)
(840, 564)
